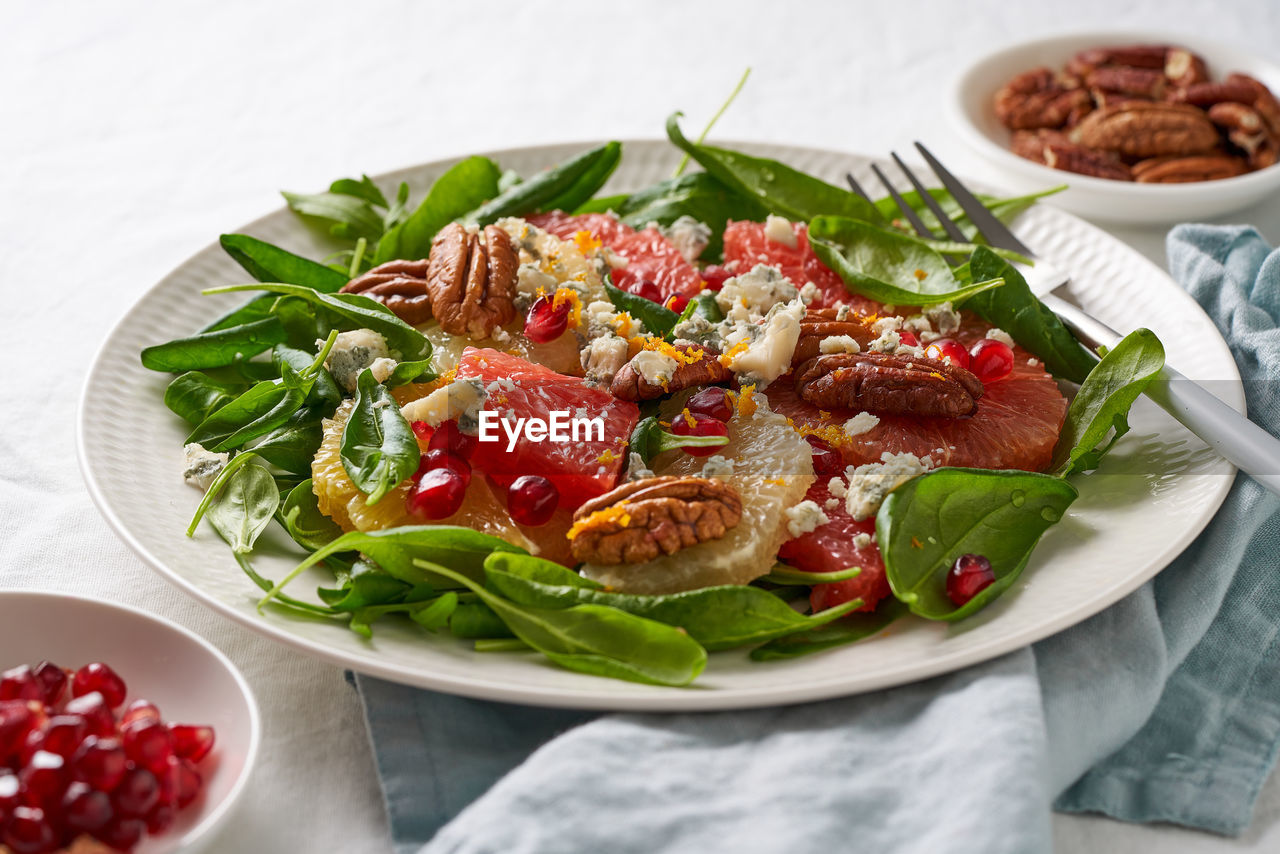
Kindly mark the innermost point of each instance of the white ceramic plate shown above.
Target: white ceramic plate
(974, 116)
(1156, 491)
(187, 678)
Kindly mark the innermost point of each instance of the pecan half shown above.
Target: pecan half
(820, 323)
(1247, 130)
(640, 520)
(1147, 129)
(1208, 94)
(399, 285)
(1184, 68)
(629, 384)
(1054, 149)
(472, 280)
(1131, 56)
(889, 384)
(1038, 99)
(1180, 170)
(1263, 100)
(1135, 82)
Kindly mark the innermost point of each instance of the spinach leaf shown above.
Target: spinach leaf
(1103, 401)
(595, 639)
(268, 263)
(306, 609)
(1016, 310)
(193, 395)
(564, 186)
(293, 445)
(350, 207)
(465, 186)
(657, 319)
(368, 586)
(887, 266)
(602, 204)
(301, 517)
(244, 507)
(410, 372)
(721, 617)
(436, 615)
(359, 312)
(778, 187)
(258, 308)
(473, 620)
(784, 574)
(648, 439)
(378, 448)
(214, 349)
(699, 195)
(362, 189)
(847, 629)
(325, 394)
(930, 521)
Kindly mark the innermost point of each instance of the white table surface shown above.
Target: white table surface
(134, 133)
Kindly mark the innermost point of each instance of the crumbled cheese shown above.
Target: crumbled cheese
(861, 541)
(382, 368)
(717, 466)
(886, 324)
(837, 488)
(602, 358)
(688, 236)
(890, 342)
(870, 483)
(831, 504)
(636, 469)
(838, 344)
(353, 352)
(500, 335)
(918, 325)
(1033, 362)
(530, 278)
(842, 311)
(461, 400)
(749, 297)
(698, 329)
(804, 517)
(861, 423)
(779, 230)
(500, 384)
(995, 333)
(200, 467)
(808, 293)
(768, 356)
(944, 318)
(654, 366)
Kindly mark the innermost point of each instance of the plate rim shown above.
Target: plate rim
(656, 698)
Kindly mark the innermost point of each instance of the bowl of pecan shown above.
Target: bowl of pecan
(1140, 127)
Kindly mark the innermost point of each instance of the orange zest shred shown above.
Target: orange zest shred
(607, 457)
(746, 402)
(688, 417)
(734, 351)
(570, 297)
(920, 275)
(916, 544)
(777, 481)
(616, 514)
(586, 241)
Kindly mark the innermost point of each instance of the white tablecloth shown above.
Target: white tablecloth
(134, 133)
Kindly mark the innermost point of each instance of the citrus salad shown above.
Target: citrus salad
(741, 407)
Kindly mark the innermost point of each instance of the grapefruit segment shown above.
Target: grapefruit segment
(830, 548)
(746, 245)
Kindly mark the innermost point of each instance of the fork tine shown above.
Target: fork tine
(855, 186)
(912, 217)
(985, 221)
(948, 224)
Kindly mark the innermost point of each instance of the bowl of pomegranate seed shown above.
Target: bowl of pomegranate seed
(119, 731)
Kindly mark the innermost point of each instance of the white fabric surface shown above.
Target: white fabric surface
(135, 133)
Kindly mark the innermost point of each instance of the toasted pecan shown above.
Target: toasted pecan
(472, 280)
(889, 384)
(400, 285)
(642, 519)
(1147, 129)
(820, 323)
(706, 369)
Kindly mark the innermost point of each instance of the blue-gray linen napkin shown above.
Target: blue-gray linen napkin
(1164, 707)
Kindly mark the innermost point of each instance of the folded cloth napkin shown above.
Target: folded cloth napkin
(1165, 707)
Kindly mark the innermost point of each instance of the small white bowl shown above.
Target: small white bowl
(973, 114)
(187, 678)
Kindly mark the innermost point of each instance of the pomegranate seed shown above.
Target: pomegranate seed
(44, 778)
(53, 681)
(93, 709)
(86, 809)
(677, 302)
(949, 349)
(646, 290)
(192, 742)
(29, 831)
(991, 360)
(532, 500)
(123, 834)
(63, 734)
(16, 720)
(906, 336)
(448, 437)
(437, 495)
(442, 459)
(422, 430)
(140, 710)
(101, 678)
(180, 783)
(137, 793)
(160, 818)
(19, 683)
(711, 402)
(715, 276)
(827, 461)
(702, 426)
(970, 575)
(30, 745)
(100, 762)
(545, 322)
(148, 743)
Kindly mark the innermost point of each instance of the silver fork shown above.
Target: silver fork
(1249, 447)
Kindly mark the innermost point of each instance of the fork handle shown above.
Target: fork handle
(1231, 435)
